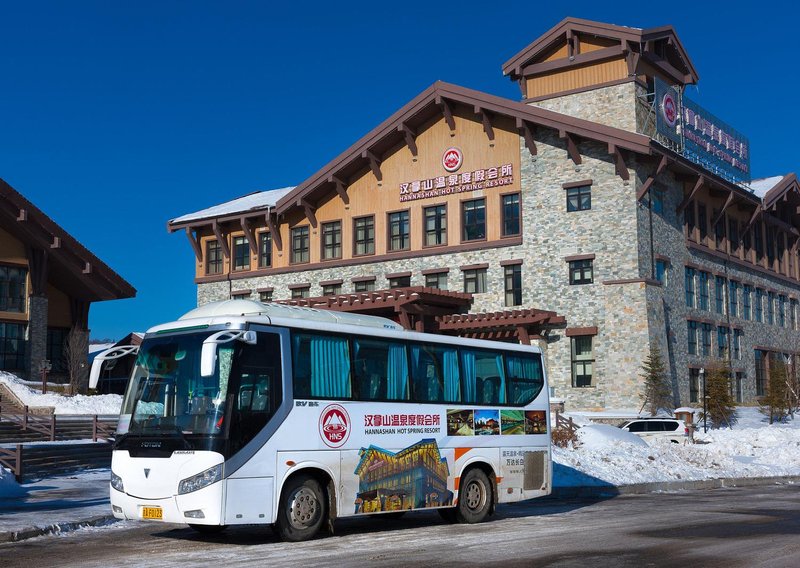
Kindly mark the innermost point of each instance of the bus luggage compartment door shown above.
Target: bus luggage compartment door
(249, 500)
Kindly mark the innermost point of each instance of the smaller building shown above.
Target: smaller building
(48, 282)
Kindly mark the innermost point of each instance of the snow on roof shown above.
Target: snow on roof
(761, 186)
(251, 202)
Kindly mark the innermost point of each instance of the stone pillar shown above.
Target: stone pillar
(83, 371)
(37, 336)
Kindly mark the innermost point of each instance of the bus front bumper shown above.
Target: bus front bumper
(202, 507)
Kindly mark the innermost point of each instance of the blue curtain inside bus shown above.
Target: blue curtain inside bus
(397, 373)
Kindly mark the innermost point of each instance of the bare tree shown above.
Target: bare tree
(76, 353)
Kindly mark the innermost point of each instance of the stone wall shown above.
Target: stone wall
(37, 336)
(612, 106)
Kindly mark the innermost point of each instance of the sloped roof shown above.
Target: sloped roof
(635, 39)
(257, 201)
(71, 264)
(776, 188)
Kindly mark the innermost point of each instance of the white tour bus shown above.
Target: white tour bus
(249, 413)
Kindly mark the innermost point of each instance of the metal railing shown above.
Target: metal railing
(52, 428)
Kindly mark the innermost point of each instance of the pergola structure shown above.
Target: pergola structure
(439, 311)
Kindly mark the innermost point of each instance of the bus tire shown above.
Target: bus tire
(208, 529)
(475, 497)
(302, 509)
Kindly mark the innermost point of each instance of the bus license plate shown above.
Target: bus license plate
(153, 513)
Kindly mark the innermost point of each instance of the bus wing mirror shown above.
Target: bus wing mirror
(108, 355)
(208, 353)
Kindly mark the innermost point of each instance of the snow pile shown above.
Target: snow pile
(78, 404)
(751, 448)
(8, 485)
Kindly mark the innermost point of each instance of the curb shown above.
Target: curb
(32, 532)
(669, 486)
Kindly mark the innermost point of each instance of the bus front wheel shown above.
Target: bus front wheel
(474, 497)
(302, 509)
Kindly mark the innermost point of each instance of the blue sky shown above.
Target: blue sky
(117, 116)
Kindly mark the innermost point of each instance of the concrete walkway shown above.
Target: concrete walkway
(60, 504)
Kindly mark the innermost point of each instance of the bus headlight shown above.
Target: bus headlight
(204, 479)
(116, 482)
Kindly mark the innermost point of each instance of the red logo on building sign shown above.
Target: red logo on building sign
(334, 425)
(669, 109)
(452, 159)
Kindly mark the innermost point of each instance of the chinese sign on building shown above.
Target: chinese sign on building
(457, 183)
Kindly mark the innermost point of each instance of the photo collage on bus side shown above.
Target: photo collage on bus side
(493, 422)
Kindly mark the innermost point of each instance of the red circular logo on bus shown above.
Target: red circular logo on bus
(669, 109)
(334, 425)
(452, 159)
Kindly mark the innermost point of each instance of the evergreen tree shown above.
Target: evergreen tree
(776, 402)
(720, 404)
(656, 392)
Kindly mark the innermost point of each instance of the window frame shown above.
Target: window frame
(581, 193)
(505, 219)
(404, 220)
(265, 252)
(575, 361)
(473, 225)
(475, 277)
(300, 234)
(331, 231)
(240, 244)
(512, 284)
(579, 267)
(368, 241)
(439, 230)
(217, 259)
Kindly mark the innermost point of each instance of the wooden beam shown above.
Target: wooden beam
(570, 44)
(649, 181)
(486, 120)
(251, 236)
(526, 131)
(341, 189)
(724, 207)
(374, 164)
(222, 239)
(619, 162)
(753, 217)
(198, 253)
(632, 60)
(447, 112)
(274, 230)
(310, 211)
(701, 181)
(572, 147)
(410, 136)
(524, 337)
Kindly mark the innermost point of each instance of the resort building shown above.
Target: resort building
(600, 215)
(48, 282)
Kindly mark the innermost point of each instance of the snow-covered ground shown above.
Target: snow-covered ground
(30, 394)
(604, 456)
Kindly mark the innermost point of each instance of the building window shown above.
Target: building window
(690, 220)
(722, 342)
(702, 222)
(737, 343)
(705, 336)
(213, 257)
(56, 338)
(694, 385)
(265, 250)
(241, 253)
(364, 286)
(759, 311)
(364, 235)
(300, 246)
(689, 285)
(692, 337)
(761, 372)
(739, 386)
(582, 361)
(513, 285)
(579, 198)
(475, 281)
(662, 268)
(758, 239)
(793, 315)
(435, 225)
(331, 289)
(733, 297)
(581, 271)
(332, 240)
(399, 236)
(770, 308)
(657, 201)
(436, 280)
(782, 310)
(719, 294)
(265, 296)
(12, 288)
(719, 233)
(12, 346)
(400, 282)
(301, 292)
(747, 293)
(511, 215)
(702, 288)
(733, 235)
(473, 220)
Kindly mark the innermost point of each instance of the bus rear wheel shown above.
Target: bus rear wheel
(475, 497)
(302, 509)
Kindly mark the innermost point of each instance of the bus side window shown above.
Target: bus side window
(381, 369)
(525, 377)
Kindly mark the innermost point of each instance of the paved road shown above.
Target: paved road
(755, 526)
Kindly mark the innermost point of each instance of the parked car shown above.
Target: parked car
(670, 429)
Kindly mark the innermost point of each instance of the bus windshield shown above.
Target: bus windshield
(168, 395)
